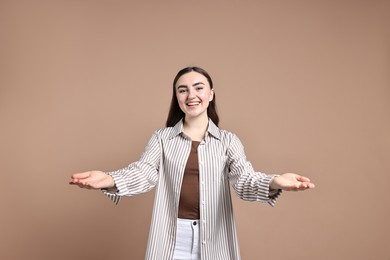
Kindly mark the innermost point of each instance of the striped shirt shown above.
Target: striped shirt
(222, 161)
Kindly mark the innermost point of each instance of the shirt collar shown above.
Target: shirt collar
(177, 129)
(212, 130)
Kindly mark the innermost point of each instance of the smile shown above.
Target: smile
(193, 103)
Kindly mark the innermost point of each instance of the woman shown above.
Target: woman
(192, 163)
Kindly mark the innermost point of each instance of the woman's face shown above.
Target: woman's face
(193, 94)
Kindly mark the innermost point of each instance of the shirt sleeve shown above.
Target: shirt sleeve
(248, 184)
(138, 177)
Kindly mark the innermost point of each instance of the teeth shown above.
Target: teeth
(192, 104)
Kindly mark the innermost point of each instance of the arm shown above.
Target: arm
(248, 184)
(136, 178)
(256, 186)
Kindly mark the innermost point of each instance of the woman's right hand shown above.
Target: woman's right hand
(92, 180)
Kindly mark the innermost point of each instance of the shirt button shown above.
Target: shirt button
(194, 223)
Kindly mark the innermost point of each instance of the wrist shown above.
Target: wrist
(273, 184)
(112, 183)
(111, 186)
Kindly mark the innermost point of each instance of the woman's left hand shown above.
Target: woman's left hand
(291, 182)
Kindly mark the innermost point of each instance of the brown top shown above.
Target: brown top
(189, 195)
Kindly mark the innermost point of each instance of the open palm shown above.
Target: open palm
(92, 180)
(291, 182)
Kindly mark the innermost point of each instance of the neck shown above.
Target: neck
(196, 128)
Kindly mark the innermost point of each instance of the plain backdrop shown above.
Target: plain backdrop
(304, 84)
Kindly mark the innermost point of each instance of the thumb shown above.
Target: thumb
(303, 179)
(81, 175)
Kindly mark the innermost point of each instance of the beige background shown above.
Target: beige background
(305, 85)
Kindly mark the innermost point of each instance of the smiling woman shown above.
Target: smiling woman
(176, 113)
(192, 163)
(194, 95)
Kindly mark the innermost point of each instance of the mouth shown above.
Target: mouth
(192, 104)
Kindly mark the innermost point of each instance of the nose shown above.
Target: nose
(191, 94)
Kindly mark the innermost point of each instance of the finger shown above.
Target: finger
(79, 184)
(303, 179)
(74, 181)
(86, 185)
(78, 181)
(311, 185)
(82, 186)
(306, 185)
(81, 175)
(292, 187)
(91, 185)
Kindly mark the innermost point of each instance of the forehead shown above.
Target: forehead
(191, 78)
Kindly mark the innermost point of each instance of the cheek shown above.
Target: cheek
(180, 100)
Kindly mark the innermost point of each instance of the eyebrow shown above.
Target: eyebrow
(194, 85)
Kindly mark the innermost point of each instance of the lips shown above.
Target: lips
(193, 103)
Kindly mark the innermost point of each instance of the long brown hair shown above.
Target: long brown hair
(176, 114)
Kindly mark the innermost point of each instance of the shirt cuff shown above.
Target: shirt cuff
(272, 193)
(114, 193)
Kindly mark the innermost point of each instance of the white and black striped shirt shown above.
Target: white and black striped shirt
(221, 160)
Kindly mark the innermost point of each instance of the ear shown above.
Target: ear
(211, 95)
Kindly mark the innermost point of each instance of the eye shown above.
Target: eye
(182, 90)
(199, 88)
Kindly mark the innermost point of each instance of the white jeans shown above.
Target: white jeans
(187, 240)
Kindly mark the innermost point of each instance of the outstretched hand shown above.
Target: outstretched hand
(92, 180)
(291, 182)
